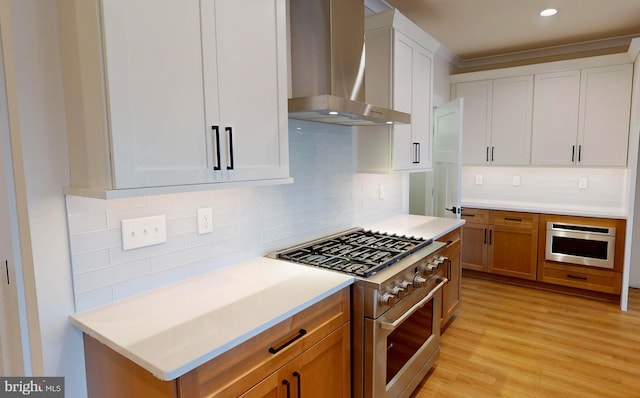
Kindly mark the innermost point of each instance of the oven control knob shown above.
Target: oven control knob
(388, 299)
(407, 285)
(419, 281)
(398, 291)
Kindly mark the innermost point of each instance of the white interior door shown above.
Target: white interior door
(447, 159)
(11, 359)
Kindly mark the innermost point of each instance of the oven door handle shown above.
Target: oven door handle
(393, 325)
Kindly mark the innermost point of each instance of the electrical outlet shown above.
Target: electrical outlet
(205, 220)
(516, 181)
(382, 192)
(582, 183)
(142, 232)
(478, 179)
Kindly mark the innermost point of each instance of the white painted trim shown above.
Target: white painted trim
(578, 63)
(634, 146)
(546, 52)
(634, 49)
(128, 193)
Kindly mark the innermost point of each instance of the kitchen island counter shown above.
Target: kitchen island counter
(172, 330)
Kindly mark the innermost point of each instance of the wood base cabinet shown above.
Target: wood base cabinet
(282, 361)
(500, 242)
(580, 276)
(451, 292)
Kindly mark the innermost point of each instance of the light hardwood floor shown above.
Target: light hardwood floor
(510, 341)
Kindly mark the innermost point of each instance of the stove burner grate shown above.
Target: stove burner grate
(361, 253)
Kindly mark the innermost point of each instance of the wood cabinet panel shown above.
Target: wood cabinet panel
(513, 250)
(326, 344)
(598, 280)
(451, 292)
(474, 246)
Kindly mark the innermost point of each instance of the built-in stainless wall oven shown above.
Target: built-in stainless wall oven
(581, 244)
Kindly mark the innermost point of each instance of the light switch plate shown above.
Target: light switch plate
(145, 231)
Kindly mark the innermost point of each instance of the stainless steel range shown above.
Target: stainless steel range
(396, 304)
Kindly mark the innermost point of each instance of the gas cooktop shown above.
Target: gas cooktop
(357, 252)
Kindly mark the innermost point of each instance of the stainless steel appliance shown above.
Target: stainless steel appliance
(327, 65)
(396, 304)
(581, 244)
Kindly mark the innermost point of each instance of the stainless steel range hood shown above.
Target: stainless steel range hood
(327, 65)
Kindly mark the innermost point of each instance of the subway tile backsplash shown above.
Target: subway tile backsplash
(327, 196)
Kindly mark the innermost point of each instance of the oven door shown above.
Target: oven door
(402, 344)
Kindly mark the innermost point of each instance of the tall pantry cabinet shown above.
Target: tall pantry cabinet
(163, 93)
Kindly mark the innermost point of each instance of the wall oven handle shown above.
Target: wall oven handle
(393, 325)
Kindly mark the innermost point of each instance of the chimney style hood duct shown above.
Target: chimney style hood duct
(327, 65)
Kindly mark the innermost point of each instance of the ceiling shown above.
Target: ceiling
(479, 29)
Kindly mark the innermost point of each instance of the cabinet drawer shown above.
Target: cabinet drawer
(475, 216)
(513, 219)
(242, 367)
(582, 277)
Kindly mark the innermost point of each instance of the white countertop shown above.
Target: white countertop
(419, 226)
(546, 208)
(172, 330)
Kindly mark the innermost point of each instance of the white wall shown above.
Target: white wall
(327, 197)
(39, 104)
(554, 189)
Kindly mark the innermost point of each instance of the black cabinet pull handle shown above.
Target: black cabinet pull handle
(229, 130)
(468, 215)
(299, 377)
(573, 153)
(485, 236)
(487, 154)
(216, 129)
(582, 278)
(288, 386)
(579, 153)
(287, 342)
(490, 236)
(492, 150)
(419, 158)
(513, 219)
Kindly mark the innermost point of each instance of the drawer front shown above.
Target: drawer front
(582, 278)
(242, 367)
(514, 219)
(475, 216)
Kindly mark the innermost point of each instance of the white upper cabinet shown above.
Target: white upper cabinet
(555, 118)
(399, 75)
(581, 117)
(564, 113)
(476, 120)
(192, 92)
(605, 109)
(497, 120)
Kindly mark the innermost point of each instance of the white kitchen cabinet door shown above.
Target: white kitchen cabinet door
(244, 45)
(476, 121)
(153, 66)
(511, 115)
(605, 106)
(555, 118)
(412, 94)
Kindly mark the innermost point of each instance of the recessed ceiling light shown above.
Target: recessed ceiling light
(548, 12)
